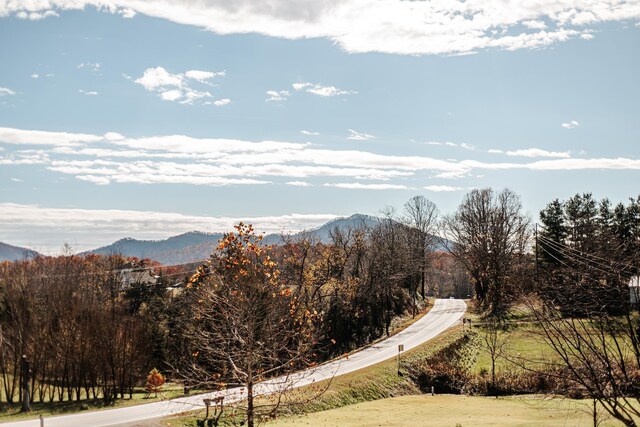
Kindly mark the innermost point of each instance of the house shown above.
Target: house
(136, 275)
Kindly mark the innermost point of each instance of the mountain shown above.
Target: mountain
(187, 247)
(195, 246)
(353, 222)
(15, 253)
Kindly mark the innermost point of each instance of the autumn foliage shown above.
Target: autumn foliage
(155, 381)
(247, 323)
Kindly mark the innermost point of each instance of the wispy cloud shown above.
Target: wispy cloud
(88, 92)
(309, 133)
(571, 125)
(277, 95)
(463, 145)
(359, 136)
(178, 87)
(537, 152)
(321, 90)
(222, 102)
(299, 183)
(36, 15)
(91, 66)
(442, 188)
(180, 159)
(393, 26)
(4, 91)
(361, 186)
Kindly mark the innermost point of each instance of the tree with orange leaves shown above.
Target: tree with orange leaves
(247, 325)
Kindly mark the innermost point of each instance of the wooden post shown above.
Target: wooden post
(400, 349)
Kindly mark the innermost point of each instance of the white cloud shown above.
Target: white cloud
(442, 188)
(203, 76)
(535, 25)
(358, 136)
(494, 151)
(571, 125)
(88, 92)
(191, 95)
(34, 16)
(35, 75)
(177, 87)
(360, 186)
(309, 133)
(157, 78)
(91, 66)
(299, 183)
(4, 91)
(171, 95)
(222, 102)
(391, 26)
(35, 137)
(277, 95)
(537, 152)
(320, 90)
(16, 180)
(127, 13)
(88, 229)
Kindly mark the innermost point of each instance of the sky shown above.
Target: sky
(146, 119)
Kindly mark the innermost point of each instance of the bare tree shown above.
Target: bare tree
(420, 216)
(495, 344)
(489, 234)
(599, 355)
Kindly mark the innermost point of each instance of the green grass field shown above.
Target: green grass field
(452, 410)
(11, 412)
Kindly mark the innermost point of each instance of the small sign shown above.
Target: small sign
(400, 347)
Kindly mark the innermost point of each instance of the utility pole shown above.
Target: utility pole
(26, 370)
(536, 237)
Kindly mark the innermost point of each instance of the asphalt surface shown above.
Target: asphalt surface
(444, 314)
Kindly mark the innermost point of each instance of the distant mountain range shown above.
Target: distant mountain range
(15, 253)
(195, 245)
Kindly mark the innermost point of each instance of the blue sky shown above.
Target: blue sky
(147, 119)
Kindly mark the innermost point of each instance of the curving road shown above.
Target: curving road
(444, 314)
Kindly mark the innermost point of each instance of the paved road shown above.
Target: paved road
(444, 314)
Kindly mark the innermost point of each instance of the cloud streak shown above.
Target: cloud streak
(180, 159)
(320, 90)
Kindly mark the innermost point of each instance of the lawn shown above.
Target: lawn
(452, 410)
(11, 412)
